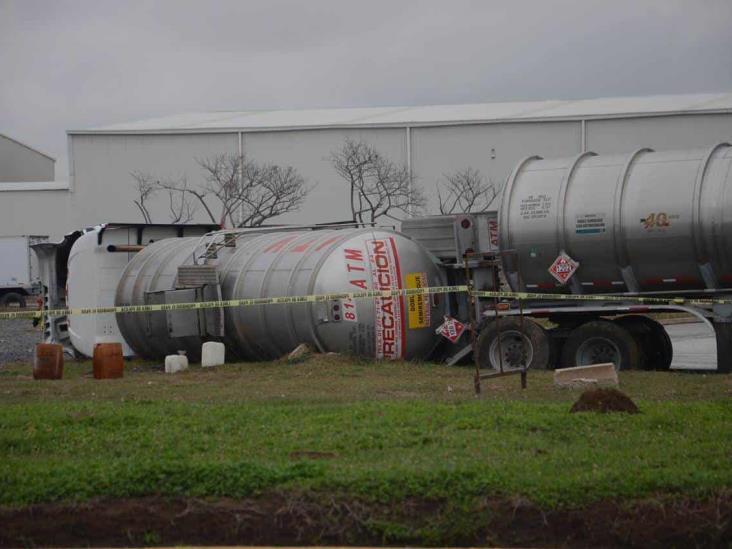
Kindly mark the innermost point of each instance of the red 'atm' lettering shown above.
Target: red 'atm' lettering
(354, 263)
(353, 255)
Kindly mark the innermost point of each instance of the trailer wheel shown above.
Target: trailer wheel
(532, 347)
(12, 299)
(654, 341)
(601, 341)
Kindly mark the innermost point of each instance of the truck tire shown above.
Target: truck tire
(658, 352)
(533, 345)
(12, 299)
(598, 342)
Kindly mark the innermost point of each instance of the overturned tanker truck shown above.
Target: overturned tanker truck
(595, 232)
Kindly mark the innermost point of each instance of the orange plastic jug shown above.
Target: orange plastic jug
(108, 362)
(48, 362)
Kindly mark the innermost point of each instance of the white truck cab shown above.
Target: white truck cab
(19, 276)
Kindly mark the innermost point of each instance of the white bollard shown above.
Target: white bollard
(213, 353)
(175, 363)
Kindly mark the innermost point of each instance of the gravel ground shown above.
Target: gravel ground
(18, 339)
(693, 343)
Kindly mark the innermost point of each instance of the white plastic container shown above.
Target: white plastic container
(175, 363)
(213, 353)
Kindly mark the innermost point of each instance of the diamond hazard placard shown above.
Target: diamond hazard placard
(563, 268)
(451, 329)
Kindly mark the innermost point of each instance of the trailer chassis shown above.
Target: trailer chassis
(716, 318)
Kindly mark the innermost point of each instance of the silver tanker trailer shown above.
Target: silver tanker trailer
(645, 224)
(274, 262)
(652, 224)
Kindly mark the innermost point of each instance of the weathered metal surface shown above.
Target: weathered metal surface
(295, 263)
(648, 221)
(451, 236)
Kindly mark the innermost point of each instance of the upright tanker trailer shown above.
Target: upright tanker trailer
(644, 224)
(647, 224)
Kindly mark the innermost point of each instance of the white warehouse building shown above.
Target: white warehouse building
(21, 163)
(430, 140)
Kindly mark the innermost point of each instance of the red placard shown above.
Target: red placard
(451, 329)
(563, 268)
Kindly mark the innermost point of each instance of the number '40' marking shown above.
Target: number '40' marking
(653, 219)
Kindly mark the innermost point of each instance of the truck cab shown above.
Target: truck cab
(19, 276)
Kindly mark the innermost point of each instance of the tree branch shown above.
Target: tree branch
(378, 187)
(466, 191)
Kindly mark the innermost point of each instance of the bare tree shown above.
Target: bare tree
(180, 208)
(268, 192)
(249, 193)
(146, 188)
(466, 191)
(236, 192)
(180, 189)
(378, 186)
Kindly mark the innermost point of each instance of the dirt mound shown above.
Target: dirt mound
(604, 400)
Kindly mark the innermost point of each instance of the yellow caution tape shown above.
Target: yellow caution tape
(369, 294)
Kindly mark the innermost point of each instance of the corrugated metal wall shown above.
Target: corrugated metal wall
(493, 149)
(660, 133)
(20, 163)
(309, 152)
(103, 189)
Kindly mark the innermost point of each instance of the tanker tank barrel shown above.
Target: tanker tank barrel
(634, 223)
(278, 263)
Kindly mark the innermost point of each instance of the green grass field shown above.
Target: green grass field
(380, 432)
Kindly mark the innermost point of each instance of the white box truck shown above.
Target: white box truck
(19, 276)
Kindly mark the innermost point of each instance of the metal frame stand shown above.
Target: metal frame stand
(494, 264)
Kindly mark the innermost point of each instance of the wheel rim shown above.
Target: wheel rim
(597, 350)
(515, 348)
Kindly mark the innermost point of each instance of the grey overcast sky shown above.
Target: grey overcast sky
(69, 64)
